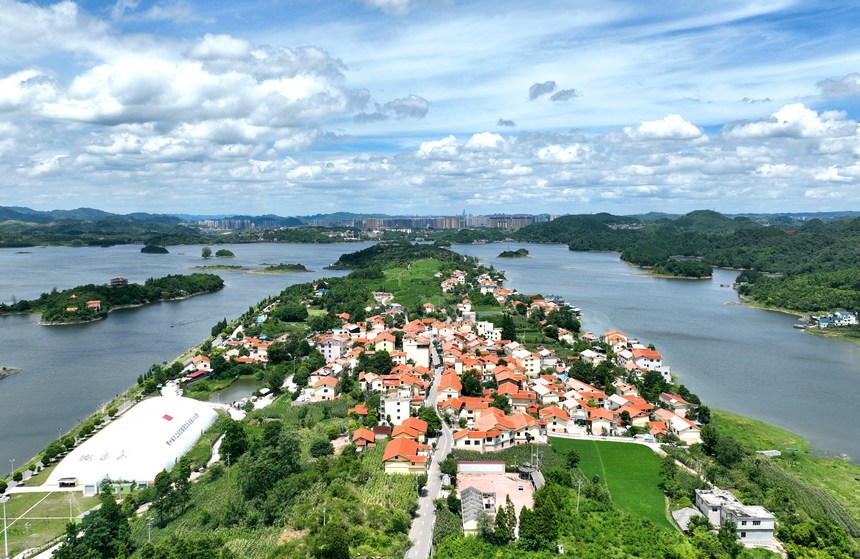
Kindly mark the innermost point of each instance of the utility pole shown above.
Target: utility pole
(70, 506)
(26, 538)
(228, 465)
(324, 519)
(149, 528)
(578, 489)
(4, 499)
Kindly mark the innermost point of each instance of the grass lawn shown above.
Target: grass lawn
(414, 284)
(630, 471)
(47, 514)
(835, 476)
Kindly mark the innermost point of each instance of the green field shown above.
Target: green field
(630, 471)
(47, 514)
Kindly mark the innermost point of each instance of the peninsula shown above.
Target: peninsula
(375, 377)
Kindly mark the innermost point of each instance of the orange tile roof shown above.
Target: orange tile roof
(404, 448)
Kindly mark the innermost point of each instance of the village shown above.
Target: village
(492, 394)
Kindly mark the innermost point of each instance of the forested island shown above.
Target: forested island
(283, 268)
(86, 303)
(154, 249)
(519, 253)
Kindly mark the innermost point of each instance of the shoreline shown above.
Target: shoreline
(118, 308)
(128, 395)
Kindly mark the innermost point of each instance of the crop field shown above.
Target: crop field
(630, 471)
(46, 513)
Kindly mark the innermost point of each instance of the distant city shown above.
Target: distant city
(507, 222)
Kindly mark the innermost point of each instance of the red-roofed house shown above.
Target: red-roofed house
(648, 359)
(675, 403)
(556, 419)
(363, 438)
(324, 389)
(449, 386)
(402, 456)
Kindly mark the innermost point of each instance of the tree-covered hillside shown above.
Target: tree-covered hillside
(705, 238)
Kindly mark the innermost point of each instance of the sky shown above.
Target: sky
(430, 107)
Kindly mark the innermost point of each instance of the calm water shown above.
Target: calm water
(735, 357)
(68, 371)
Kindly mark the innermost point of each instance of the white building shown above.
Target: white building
(150, 437)
(397, 409)
(755, 524)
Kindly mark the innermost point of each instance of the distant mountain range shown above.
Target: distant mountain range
(29, 215)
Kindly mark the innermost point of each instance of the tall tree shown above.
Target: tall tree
(471, 381)
(506, 523)
(509, 330)
(235, 441)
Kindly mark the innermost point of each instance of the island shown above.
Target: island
(282, 268)
(520, 253)
(154, 249)
(8, 371)
(224, 253)
(225, 267)
(87, 303)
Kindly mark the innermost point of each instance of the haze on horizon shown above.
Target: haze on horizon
(430, 106)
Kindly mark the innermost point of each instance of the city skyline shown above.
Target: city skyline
(416, 107)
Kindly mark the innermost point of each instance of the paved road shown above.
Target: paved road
(421, 531)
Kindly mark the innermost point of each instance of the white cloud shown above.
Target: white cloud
(446, 147)
(796, 121)
(221, 47)
(670, 127)
(562, 154)
(484, 141)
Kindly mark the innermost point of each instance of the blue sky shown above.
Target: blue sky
(430, 106)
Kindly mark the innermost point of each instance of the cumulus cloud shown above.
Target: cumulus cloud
(540, 89)
(411, 106)
(795, 121)
(484, 141)
(565, 95)
(753, 101)
(847, 86)
(562, 154)
(505, 122)
(670, 127)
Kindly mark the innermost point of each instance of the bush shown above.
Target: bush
(321, 447)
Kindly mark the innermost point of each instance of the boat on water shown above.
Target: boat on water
(800, 326)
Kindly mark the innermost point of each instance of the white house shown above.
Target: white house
(755, 523)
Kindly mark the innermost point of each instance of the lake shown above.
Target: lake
(735, 357)
(69, 371)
